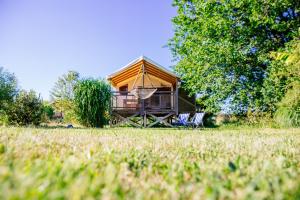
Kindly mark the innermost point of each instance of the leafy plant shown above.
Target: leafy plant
(92, 102)
(64, 87)
(62, 96)
(27, 109)
(48, 111)
(282, 86)
(3, 118)
(288, 112)
(223, 48)
(67, 109)
(8, 89)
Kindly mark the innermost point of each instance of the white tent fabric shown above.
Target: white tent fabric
(143, 93)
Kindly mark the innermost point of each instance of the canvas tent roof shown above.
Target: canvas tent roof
(151, 67)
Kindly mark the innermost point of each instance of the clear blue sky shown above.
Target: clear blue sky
(42, 39)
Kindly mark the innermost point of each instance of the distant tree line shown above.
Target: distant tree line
(241, 56)
(79, 100)
(18, 107)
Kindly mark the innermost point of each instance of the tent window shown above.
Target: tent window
(123, 89)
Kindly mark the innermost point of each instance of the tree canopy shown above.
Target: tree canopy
(223, 48)
(27, 109)
(62, 95)
(64, 87)
(8, 87)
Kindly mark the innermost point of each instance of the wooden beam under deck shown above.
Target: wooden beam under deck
(139, 120)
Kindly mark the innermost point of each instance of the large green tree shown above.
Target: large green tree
(223, 47)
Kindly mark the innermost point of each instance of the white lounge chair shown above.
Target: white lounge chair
(182, 120)
(197, 120)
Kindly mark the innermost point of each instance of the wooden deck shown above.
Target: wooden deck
(159, 102)
(159, 108)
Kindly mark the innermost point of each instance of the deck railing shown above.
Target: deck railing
(159, 101)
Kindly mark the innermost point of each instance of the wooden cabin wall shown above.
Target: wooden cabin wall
(186, 103)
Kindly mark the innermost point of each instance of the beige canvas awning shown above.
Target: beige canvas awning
(150, 67)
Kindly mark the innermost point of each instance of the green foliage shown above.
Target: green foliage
(282, 86)
(92, 102)
(284, 72)
(48, 111)
(27, 109)
(67, 108)
(64, 87)
(146, 164)
(8, 89)
(3, 119)
(288, 112)
(223, 47)
(63, 96)
(69, 115)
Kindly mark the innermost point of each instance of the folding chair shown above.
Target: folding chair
(182, 119)
(197, 120)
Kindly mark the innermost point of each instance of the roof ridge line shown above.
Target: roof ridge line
(142, 57)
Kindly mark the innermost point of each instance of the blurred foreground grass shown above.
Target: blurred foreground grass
(149, 164)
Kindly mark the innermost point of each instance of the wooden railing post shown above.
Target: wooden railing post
(176, 98)
(143, 112)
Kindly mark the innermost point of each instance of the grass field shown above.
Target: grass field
(149, 164)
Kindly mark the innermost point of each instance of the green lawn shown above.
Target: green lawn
(149, 164)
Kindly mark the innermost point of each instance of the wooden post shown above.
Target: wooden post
(143, 68)
(110, 108)
(145, 119)
(143, 101)
(176, 97)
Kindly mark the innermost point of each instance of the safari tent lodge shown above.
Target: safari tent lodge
(145, 94)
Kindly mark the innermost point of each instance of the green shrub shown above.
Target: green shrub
(27, 109)
(288, 112)
(209, 120)
(48, 110)
(69, 115)
(66, 106)
(3, 118)
(92, 102)
(288, 78)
